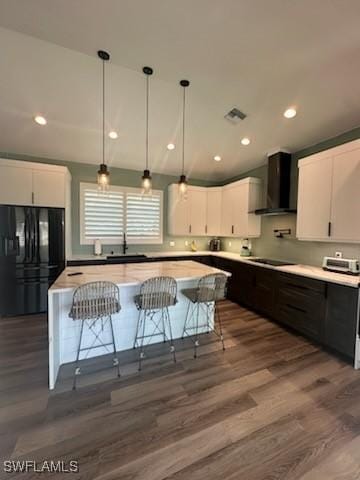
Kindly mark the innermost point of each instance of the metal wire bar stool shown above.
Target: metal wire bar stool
(94, 304)
(210, 290)
(156, 296)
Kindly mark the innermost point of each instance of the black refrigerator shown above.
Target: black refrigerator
(32, 255)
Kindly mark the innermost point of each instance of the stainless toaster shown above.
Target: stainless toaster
(341, 265)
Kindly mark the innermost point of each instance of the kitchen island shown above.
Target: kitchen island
(64, 332)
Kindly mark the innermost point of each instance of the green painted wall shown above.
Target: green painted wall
(290, 248)
(82, 172)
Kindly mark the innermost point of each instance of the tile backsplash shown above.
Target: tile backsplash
(289, 248)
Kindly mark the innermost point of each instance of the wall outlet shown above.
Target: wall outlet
(338, 254)
(229, 244)
(172, 244)
(186, 243)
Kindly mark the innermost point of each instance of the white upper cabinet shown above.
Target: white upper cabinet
(187, 216)
(216, 211)
(227, 221)
(314, 198)
(178, 212)
(213, 211)
(15, 184)
(49, 188)
(197, 203)
(345, 218)
(329, 195)
(37, 184)
(240, 199)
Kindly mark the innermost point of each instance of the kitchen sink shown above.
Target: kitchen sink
(126, 255)
(269, 261)
(126, 258)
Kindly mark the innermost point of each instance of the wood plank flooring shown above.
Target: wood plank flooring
(272, 406)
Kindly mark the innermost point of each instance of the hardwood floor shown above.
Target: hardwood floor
(272, 406)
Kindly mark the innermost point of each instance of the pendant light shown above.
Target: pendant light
(183, 181)
(103, 175)
(146, 178)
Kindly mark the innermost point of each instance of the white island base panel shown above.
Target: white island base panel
(64, 333)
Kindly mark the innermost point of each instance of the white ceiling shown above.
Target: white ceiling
(259, 55)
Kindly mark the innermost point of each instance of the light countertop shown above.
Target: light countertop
(320, 274)
(303, 270)
(131, 273)
(298, 269)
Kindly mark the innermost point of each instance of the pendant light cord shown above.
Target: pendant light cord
(147, 122)
(183, 136)
(103, 112)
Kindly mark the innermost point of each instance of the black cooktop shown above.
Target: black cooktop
(269, 261)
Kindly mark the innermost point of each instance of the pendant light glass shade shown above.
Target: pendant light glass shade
(103, 178)
(183, 187)
(146, 184)
(182, 181)
(103, 174)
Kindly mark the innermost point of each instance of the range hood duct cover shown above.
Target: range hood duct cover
(278, 188)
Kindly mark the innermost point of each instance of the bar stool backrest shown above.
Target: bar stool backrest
(95, 300)
(212, 287)
(158, 292)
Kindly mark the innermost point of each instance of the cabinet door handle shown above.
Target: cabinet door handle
(232, 228)
(205, 228)
(329, 229)
(32, 198)
(189, 228)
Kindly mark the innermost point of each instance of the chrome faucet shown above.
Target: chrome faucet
(125, 245)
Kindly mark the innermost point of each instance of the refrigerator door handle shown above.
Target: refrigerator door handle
(17, 245)
(27, 236)
(33, 238)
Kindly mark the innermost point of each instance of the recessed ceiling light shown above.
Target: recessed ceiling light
(217, 158)
(245, 141)
(40, 120)
(113, 135)
(290, 113)
(171, 146)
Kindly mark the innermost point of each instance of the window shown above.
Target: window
(108, 215)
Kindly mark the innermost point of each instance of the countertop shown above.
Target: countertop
(131, 274)
(298, 269)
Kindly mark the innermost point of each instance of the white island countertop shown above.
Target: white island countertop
(130, 274)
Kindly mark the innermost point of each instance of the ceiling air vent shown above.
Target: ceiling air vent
(235, 116)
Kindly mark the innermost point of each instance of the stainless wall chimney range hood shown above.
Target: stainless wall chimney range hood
(278, 188)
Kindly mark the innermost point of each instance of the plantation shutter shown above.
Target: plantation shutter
(103, 213)
(143, 216)
(108, 215)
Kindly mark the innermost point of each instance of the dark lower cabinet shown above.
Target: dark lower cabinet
(325, 312)
(241, 282)
(205, 259)
(341, 318)
(264, 293)
(301, 304)
(249, 285)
